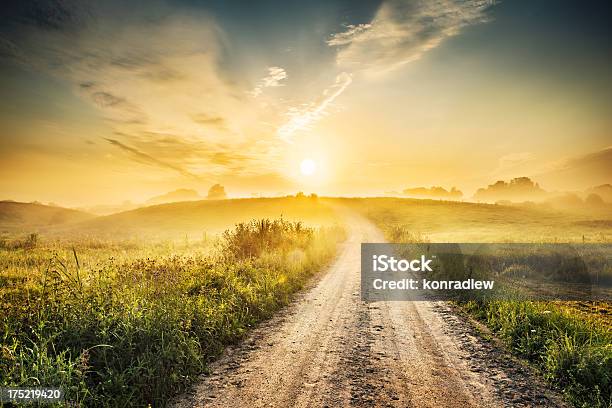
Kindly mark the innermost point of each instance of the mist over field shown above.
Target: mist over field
(187, 188)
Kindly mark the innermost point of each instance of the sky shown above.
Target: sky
(103, 102)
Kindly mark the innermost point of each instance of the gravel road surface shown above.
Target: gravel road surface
(330, 349)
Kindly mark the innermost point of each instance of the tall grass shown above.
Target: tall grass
(574, 352)
(133, 333)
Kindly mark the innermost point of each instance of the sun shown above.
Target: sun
(308, 167)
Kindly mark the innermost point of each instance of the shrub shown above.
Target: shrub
(248, 240)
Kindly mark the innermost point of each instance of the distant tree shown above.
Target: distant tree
(518, 189)
(434, 192)
(604, 191)
(217, 192)
(455, 193)
(300, 195)
(314, 196)
(594, 200)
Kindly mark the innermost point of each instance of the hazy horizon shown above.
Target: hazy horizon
(105, 103)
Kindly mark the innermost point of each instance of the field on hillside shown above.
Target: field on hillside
(448, 221)
(134, 305)
(17, 217)
(193, 220)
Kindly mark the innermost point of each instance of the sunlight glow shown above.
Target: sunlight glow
(308, 167)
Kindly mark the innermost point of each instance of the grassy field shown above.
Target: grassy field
(570, 343)
(127, 309)
(448, 221)
(191, 219)
(130, 324)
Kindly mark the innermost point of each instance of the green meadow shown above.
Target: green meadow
(129, 309)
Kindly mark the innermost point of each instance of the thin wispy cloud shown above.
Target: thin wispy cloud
(402, 31)
(578, 171)
(273, 79)
(601, 157)
(148, 159)
(346, 37)
(303, 117)
(153, 76)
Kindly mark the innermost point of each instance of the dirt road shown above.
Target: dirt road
(330, 349)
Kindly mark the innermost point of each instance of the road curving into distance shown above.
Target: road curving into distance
(330, 349)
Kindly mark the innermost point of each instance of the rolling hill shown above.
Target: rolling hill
(193, 218)
(175, 196)
(32, 217)
(437, 220)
